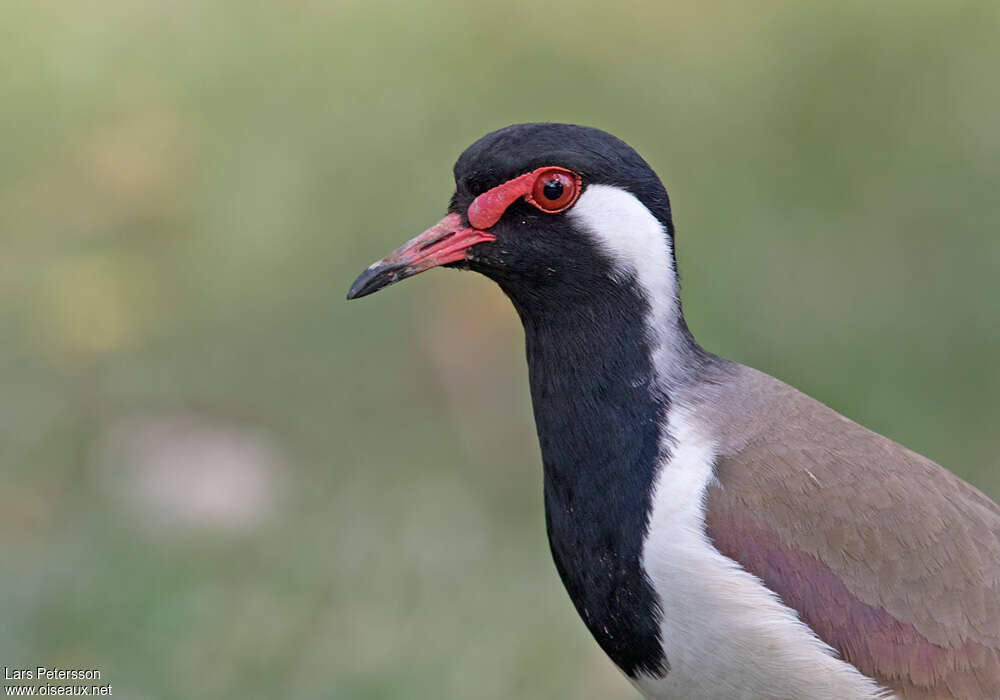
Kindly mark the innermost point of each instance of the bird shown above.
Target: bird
(721, 534)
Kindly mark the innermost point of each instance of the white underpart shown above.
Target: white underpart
(725, 635)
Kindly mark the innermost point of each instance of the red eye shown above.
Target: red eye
(555, 190)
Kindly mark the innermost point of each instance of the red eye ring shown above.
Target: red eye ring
(554, 190)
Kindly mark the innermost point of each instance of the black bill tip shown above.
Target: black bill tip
(376, 277)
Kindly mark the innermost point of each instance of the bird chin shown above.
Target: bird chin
(474, 263)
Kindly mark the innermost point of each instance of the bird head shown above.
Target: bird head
(554, 213)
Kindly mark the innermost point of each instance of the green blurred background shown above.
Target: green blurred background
(221, 480)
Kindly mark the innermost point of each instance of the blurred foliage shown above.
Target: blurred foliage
(220, 480)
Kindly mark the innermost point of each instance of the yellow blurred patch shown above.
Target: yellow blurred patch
(86, 307)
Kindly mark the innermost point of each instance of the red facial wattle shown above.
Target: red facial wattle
(487, 208)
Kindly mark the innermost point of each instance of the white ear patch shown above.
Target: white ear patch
(630, 235)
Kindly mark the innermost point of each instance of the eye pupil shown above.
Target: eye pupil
(553, 189)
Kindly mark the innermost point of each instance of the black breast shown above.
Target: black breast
(599, 416)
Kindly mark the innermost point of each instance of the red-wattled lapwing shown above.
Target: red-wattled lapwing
(721, 534)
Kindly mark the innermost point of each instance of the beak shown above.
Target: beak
(444, 242)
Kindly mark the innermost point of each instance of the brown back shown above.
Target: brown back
(888, 557)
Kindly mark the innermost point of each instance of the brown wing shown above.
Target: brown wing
(888, 557)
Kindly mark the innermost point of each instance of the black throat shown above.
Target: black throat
(599, 414)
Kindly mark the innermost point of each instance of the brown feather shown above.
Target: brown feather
(888, 557)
